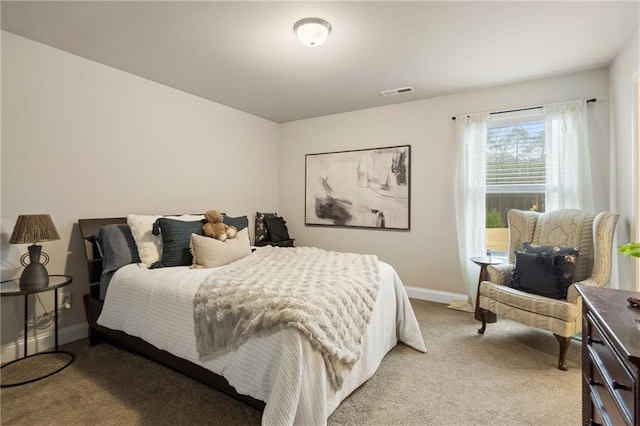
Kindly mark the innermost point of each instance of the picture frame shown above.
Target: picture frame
(364, 188)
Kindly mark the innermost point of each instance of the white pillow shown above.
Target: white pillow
(149, 245)
(208, 252)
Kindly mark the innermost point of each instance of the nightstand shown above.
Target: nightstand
(12, 288)
(283, 243)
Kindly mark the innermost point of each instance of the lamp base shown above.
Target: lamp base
(35, 275)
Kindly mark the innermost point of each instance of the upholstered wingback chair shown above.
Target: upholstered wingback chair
(592, 234)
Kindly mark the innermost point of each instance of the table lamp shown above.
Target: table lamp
(34, 228)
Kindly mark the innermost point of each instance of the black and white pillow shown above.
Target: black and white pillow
(544, 270)
(262, 233)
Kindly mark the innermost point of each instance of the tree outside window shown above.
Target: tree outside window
(515, 174)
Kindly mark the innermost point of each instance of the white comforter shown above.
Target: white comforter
(282, 368)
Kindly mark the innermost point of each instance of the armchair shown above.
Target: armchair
(592, 234)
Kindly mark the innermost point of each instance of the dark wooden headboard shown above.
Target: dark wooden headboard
(94, 261)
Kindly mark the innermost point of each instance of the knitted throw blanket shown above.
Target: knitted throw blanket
(327, 296)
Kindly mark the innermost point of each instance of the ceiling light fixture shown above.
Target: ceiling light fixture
(312, 32)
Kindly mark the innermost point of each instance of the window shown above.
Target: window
(515, 171)
(536, 158)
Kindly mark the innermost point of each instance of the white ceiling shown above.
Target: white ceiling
(246, 56)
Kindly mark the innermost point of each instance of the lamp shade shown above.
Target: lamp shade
(33, 228)
(312, 32)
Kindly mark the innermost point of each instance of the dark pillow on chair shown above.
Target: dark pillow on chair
(567, 262)
(543, 273)
(117, 246)
(261, 229)
(550, 250)
(277, 228)
(176, 235)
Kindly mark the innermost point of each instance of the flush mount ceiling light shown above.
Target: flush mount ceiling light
(312, 32)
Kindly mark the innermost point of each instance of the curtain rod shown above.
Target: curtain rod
(524, 109)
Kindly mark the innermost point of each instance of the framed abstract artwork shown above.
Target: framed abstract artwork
(366, 188)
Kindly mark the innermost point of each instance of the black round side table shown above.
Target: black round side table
(11, 288)
(483, 262)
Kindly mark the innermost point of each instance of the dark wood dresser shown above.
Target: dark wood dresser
(610, 357)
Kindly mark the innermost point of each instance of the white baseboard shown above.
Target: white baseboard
(434, 295)
(43, 342)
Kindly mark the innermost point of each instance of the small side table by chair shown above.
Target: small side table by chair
(11, 288)
(483, 262)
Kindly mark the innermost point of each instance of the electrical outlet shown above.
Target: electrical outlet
(64, 299)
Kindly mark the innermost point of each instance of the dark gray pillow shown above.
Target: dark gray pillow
(261, 230)
(277, 228)
(240, 222)
(176, 235)
(117, 246)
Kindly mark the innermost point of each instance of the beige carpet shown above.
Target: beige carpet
(506, 377)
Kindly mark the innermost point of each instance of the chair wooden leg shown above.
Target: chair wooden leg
(483, 318)
(564, 346)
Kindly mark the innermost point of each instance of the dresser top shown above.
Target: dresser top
(620, 320)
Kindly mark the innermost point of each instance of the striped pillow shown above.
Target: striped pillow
(176, 235)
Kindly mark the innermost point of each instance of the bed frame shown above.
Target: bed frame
(98, 334)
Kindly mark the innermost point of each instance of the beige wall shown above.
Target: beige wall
(83, 140)
(80, 140)
(426, 256)
(624, 76)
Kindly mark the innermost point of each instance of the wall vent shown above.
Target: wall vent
(399, 91)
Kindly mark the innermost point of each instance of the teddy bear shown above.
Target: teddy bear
(215, 228)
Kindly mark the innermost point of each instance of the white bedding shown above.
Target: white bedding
(282, 368)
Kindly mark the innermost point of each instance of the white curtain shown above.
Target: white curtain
(470, 199)
(568, 180)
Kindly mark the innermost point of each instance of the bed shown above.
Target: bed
(151, 312)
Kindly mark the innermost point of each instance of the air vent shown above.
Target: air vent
(400, 91)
